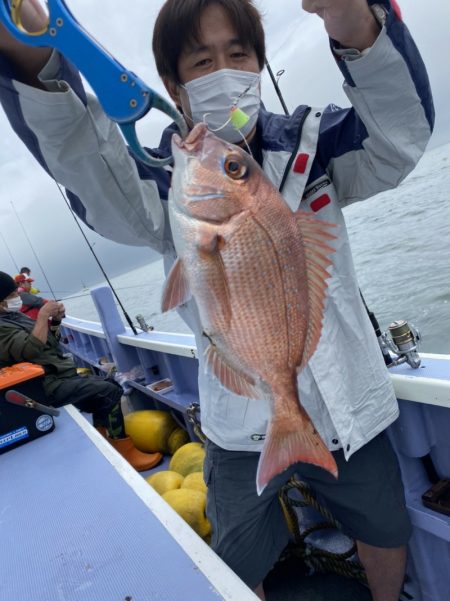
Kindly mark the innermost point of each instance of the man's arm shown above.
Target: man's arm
(32, 300)
(73, 140)
(373, 146)
(16, 344)
(51, 309)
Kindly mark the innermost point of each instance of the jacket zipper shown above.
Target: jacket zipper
(294, 152)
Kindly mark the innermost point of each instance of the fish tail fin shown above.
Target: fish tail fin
(289, 441)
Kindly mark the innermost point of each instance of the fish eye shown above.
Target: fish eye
(235, 168)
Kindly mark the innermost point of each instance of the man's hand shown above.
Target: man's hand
(349, 22)
(52, 309)
(29, 60)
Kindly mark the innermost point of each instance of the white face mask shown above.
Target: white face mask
(212, 98)
(13, 304)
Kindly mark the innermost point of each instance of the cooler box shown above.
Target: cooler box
(19, 425)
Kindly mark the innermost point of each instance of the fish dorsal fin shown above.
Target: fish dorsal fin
(176, 288)
(315, 236)
(233, 379)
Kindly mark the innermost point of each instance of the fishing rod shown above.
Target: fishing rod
(9, 252)
(127, 317)
(277, 87)
(34, 252)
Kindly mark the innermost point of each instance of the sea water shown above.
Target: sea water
(400, 241)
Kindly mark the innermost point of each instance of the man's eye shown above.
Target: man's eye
(234, 168)
(202, 62)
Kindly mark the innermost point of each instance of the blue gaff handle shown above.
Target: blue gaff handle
(125, 98)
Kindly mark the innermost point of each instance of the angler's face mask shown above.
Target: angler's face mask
(227, 101)
(13, 304)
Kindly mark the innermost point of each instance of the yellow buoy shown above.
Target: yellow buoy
(150, 429)
(177, 439)
(165, 480)
(195, 481)
(190, 505)
(189, 458)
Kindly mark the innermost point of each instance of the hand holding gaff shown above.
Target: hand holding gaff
(125, 98)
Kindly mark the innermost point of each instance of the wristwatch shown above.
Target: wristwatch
(379, 12)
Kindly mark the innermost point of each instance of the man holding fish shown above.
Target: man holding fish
(291, 379)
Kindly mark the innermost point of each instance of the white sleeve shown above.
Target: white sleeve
(386, 94)
(86, 153)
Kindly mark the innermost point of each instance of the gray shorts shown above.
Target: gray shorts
(250, 532)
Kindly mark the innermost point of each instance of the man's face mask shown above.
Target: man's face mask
(13, 304)
(227, 101)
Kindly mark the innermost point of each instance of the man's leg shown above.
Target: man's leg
(385, 570)
(368, 500)
(248, 531)
(97, 396)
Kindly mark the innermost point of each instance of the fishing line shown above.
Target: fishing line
(108, 281)
(244, 139)
(68, 298)
(34, 252)
(140, 286)
(275, 79)
(9, 252)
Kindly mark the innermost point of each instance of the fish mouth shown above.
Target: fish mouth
(193, 143)
(187, 151)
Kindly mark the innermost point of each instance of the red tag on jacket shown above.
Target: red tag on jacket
(320, 202)
(301, 162)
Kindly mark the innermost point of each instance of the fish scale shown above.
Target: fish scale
(260, 310)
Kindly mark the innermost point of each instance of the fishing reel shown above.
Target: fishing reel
(143, 324)
(401, 343)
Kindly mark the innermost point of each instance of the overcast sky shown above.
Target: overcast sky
(296, 42)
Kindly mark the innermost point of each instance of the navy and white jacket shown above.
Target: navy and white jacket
(325, 159)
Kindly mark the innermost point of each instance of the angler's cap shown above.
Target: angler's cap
(22, 277)
(7, 285)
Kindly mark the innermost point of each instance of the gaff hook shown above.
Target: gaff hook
(125, 98)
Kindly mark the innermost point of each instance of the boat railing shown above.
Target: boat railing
(420, 436)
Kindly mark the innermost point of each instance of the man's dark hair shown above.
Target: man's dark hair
(25, 270)
(7, 285)
(178, 24)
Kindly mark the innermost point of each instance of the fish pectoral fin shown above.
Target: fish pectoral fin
(209, 241)
(176, 288)
(316, 236)
(233, 379)
(288, 441)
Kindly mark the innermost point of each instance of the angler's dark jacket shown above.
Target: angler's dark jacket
(18, 344)
(323, 158)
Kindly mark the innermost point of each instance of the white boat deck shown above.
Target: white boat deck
(79, 524)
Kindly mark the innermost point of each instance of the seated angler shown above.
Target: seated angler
(23, 339)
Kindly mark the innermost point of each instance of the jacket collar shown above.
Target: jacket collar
(275, 132)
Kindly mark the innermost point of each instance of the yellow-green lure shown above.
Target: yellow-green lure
(238, 118)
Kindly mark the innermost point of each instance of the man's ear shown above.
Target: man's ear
(173, 89)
